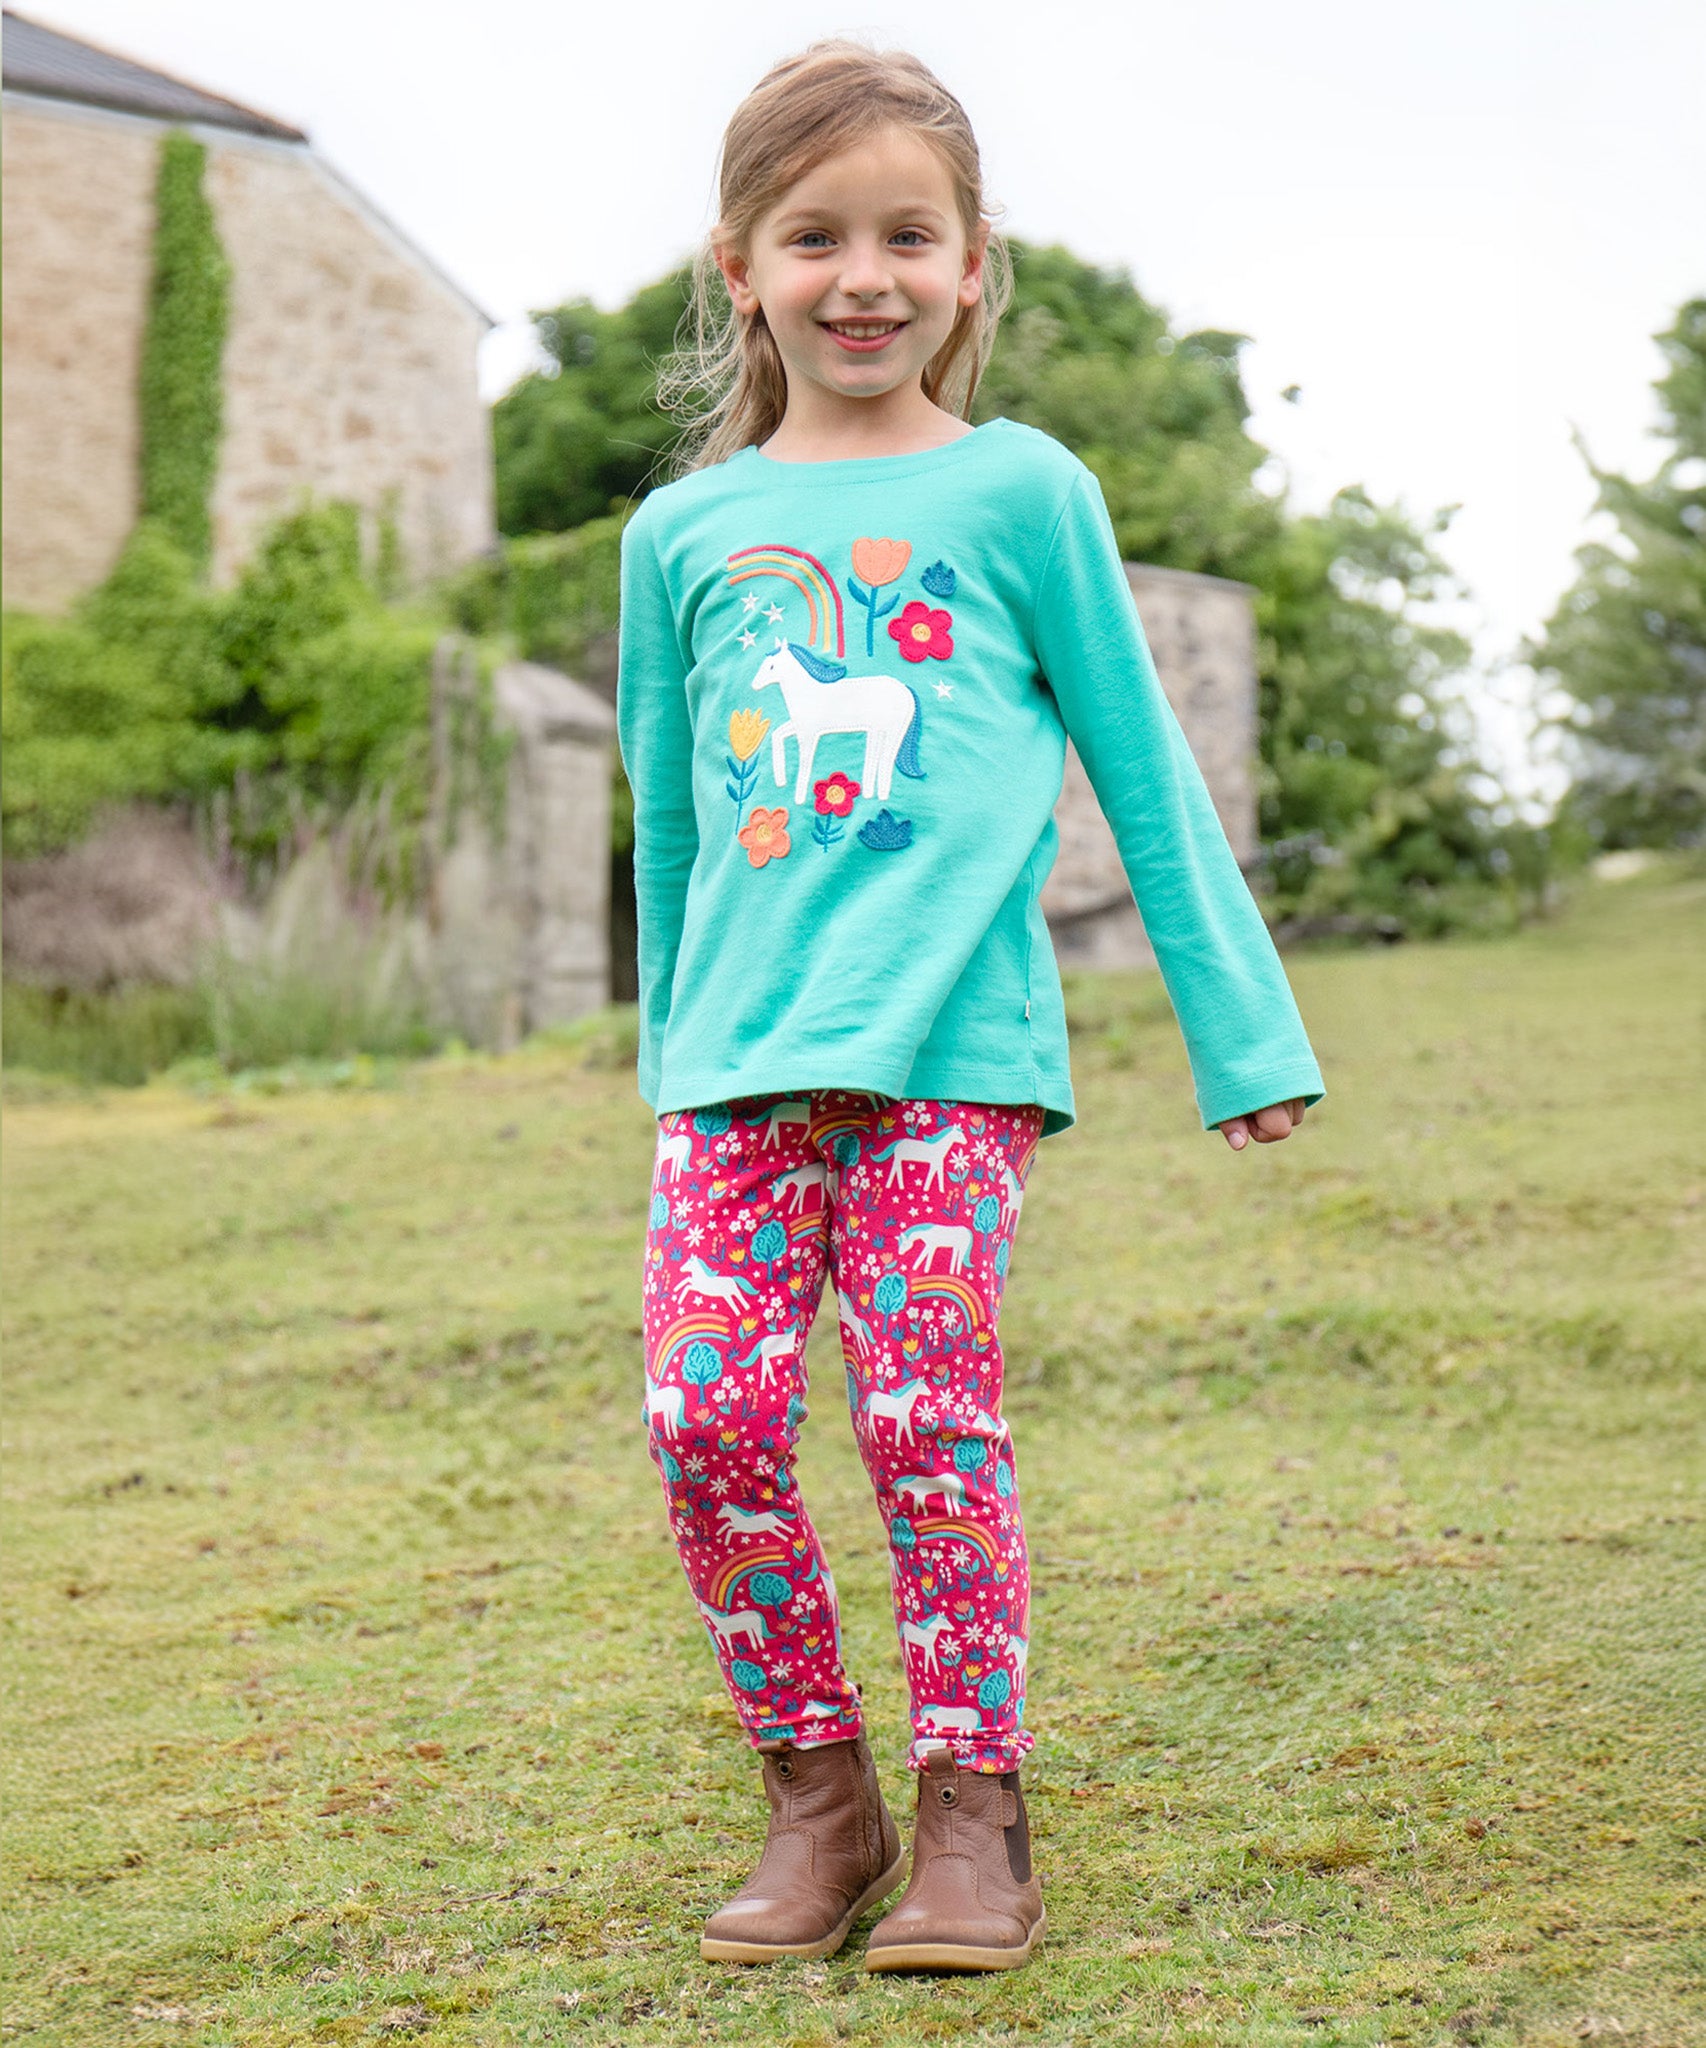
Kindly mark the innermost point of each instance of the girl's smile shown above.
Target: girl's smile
(864, 336)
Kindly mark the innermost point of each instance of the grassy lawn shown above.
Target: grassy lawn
(354, 1691)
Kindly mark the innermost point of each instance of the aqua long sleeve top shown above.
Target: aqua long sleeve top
(844, 695)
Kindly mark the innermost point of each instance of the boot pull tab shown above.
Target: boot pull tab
(943, 1773)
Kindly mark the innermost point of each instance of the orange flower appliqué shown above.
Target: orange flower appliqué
(765, 835)
(880, 561)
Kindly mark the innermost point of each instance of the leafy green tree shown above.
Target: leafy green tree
(1161, 420)
(1373, 811)
(580, 439)
(1628, 640)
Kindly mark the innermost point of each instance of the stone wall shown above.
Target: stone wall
(349, 364)
(348, 367)
(74, 268)
(1201, 631)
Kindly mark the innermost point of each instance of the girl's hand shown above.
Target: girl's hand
(1278, 1120)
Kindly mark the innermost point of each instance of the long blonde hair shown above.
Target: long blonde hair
(725, 377)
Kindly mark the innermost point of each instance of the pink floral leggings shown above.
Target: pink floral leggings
(911, 1206)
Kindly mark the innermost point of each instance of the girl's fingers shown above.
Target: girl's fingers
(1265, 1126)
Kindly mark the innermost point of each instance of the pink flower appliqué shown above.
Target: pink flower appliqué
(920, 631)
(834, 795)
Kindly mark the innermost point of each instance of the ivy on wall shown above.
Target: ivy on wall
(179, 392)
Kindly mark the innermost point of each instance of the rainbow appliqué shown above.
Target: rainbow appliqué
(828, 631)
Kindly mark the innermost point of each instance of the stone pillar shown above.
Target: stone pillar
(1202, 633)
(520, 926)
(558, 855)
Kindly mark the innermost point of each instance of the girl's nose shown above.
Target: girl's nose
(866, 273)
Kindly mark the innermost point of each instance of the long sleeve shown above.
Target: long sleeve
(655, 736)
(1229, 991)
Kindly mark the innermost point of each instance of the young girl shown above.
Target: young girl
(855, 634)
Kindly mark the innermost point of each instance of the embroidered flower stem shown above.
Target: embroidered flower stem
(743, 780)
(873, 610)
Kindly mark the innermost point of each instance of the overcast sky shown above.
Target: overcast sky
(1456, 227)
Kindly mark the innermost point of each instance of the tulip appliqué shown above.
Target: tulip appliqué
(746, 736)
(879, 562)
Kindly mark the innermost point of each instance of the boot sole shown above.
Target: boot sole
(712, 1949)
(953, 1955)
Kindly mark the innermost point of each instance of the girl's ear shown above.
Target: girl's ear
(737, 275)
(971, 278)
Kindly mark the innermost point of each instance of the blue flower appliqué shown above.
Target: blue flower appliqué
(885, 833)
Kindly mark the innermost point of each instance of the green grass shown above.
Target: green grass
(117, 1037)
(354, 1691)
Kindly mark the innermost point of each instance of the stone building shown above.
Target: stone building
(349, 363)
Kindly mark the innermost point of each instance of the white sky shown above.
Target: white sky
(1456, 226)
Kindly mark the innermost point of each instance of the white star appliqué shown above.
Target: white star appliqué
(749, 603)
(944, 689)
(775, 614)
(749, 638)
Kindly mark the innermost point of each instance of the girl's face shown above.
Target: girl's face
(860, 268)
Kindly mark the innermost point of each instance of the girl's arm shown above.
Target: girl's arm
(655, 735)
(1246, 1041)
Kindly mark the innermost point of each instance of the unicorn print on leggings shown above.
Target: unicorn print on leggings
(932, 1151)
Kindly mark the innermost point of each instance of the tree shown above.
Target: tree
(579, 439)
(1085, 357)
(1627, 642)
(1373, 811)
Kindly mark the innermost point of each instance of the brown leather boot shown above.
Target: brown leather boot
(832, 1851)
(974, 1902)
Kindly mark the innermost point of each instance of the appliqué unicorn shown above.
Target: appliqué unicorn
(821, 698)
